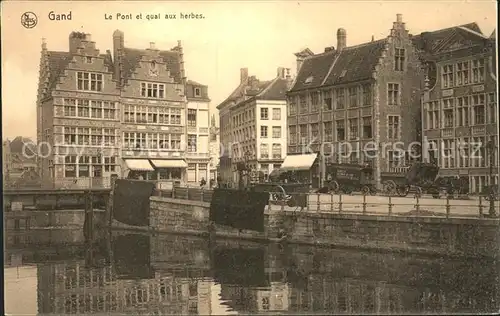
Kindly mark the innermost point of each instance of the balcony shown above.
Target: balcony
(478, 130)
(196, 155)
(447, 132)
(401, 170)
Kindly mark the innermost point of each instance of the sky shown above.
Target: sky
(258, 35)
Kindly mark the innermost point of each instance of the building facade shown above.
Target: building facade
(198, 132)
(255, 115)
(124, 113)
(20, 163)
(349, 104)
(460, 109)
(78, 115)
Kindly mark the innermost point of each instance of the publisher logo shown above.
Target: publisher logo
(29, 20)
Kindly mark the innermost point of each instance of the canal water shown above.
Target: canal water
(141, 274)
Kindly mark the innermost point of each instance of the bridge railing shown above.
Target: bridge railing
(360, 204)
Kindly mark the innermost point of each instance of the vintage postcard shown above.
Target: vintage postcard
(239, 157)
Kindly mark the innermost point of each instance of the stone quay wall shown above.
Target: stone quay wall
(462, 237)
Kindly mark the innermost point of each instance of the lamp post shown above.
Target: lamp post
(491, 147)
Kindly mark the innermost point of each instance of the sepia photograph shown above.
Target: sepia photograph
(250, 157)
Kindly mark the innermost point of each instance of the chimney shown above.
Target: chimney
(152, 45)
(373, 38)
(44, 43)
(341, 39)
(243, 75)
(288, 74)
(281, 72)
(118, 45)
(88, 37)
(399, 18)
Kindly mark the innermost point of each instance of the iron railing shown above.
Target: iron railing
(358, 204)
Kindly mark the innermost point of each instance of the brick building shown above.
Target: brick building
(460, 109)
(123, 114)
(253, 124)
(356, 95)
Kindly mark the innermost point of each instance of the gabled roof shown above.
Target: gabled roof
(132, 57)
(275, 90)
(333, 67)
(432, 42)
(194, 83)
(58, 61)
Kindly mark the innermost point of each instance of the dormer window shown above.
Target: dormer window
(197, 92)
(88, 60)
(153, 69)
(309, 79)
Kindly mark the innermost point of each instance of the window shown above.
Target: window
(393, 127)
(197, 92)
(264, 151)
(367, 127)
(328, 131)
(340, 130)
(493, 108)
(96, 136)
(83, 135)
(462, 74)
(89, 81)
(399, 59)
(432, 115)
(109, 110)
(263, 131)
(367, 94)
(152, 90)
(276, 114)
(276, 131)
(447, 76)
(70, 166)
(314, 102)
(175, 141)
(292, 108)
(315, 133)
(448, 113)
(175, 116)
(191, 118)
(327, 101)
(479, 108)
(109, 164)
(83, 108)
(69, 107)
(353, 129)
(69, 135)
(340, 99)
(303, 133)
(276, 151)
(265, 303)
(83, 166)
(292, 130)
(462, 114)
(393, 94)
(448, 153)
(478, 152)
(478, 71)
(353, 97)
(141, 113)
(88, 59)
(463, 153)
(96, 109)
(264, 113)
(395, 159)
(192, 143)
(303, 108)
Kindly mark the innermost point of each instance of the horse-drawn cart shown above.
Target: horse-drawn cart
(348, 178)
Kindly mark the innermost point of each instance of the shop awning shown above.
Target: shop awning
(169, 163)
(298, 162)
(139, 164)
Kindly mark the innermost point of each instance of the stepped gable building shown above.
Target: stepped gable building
(460, 109)
(123, 113)
(77, 115)
(349, 103)
(253, 125)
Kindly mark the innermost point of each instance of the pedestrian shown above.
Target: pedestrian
(203, 182)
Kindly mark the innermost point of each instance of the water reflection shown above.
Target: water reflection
(142, 274)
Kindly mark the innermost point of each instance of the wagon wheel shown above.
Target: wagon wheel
(334, 186)
(365, 190)
(389, 187)
(403, 190)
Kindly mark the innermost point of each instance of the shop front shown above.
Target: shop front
(302, 167)
(169, 169)
(139, 169)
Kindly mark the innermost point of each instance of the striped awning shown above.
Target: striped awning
(139, 164)
(169, 163)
